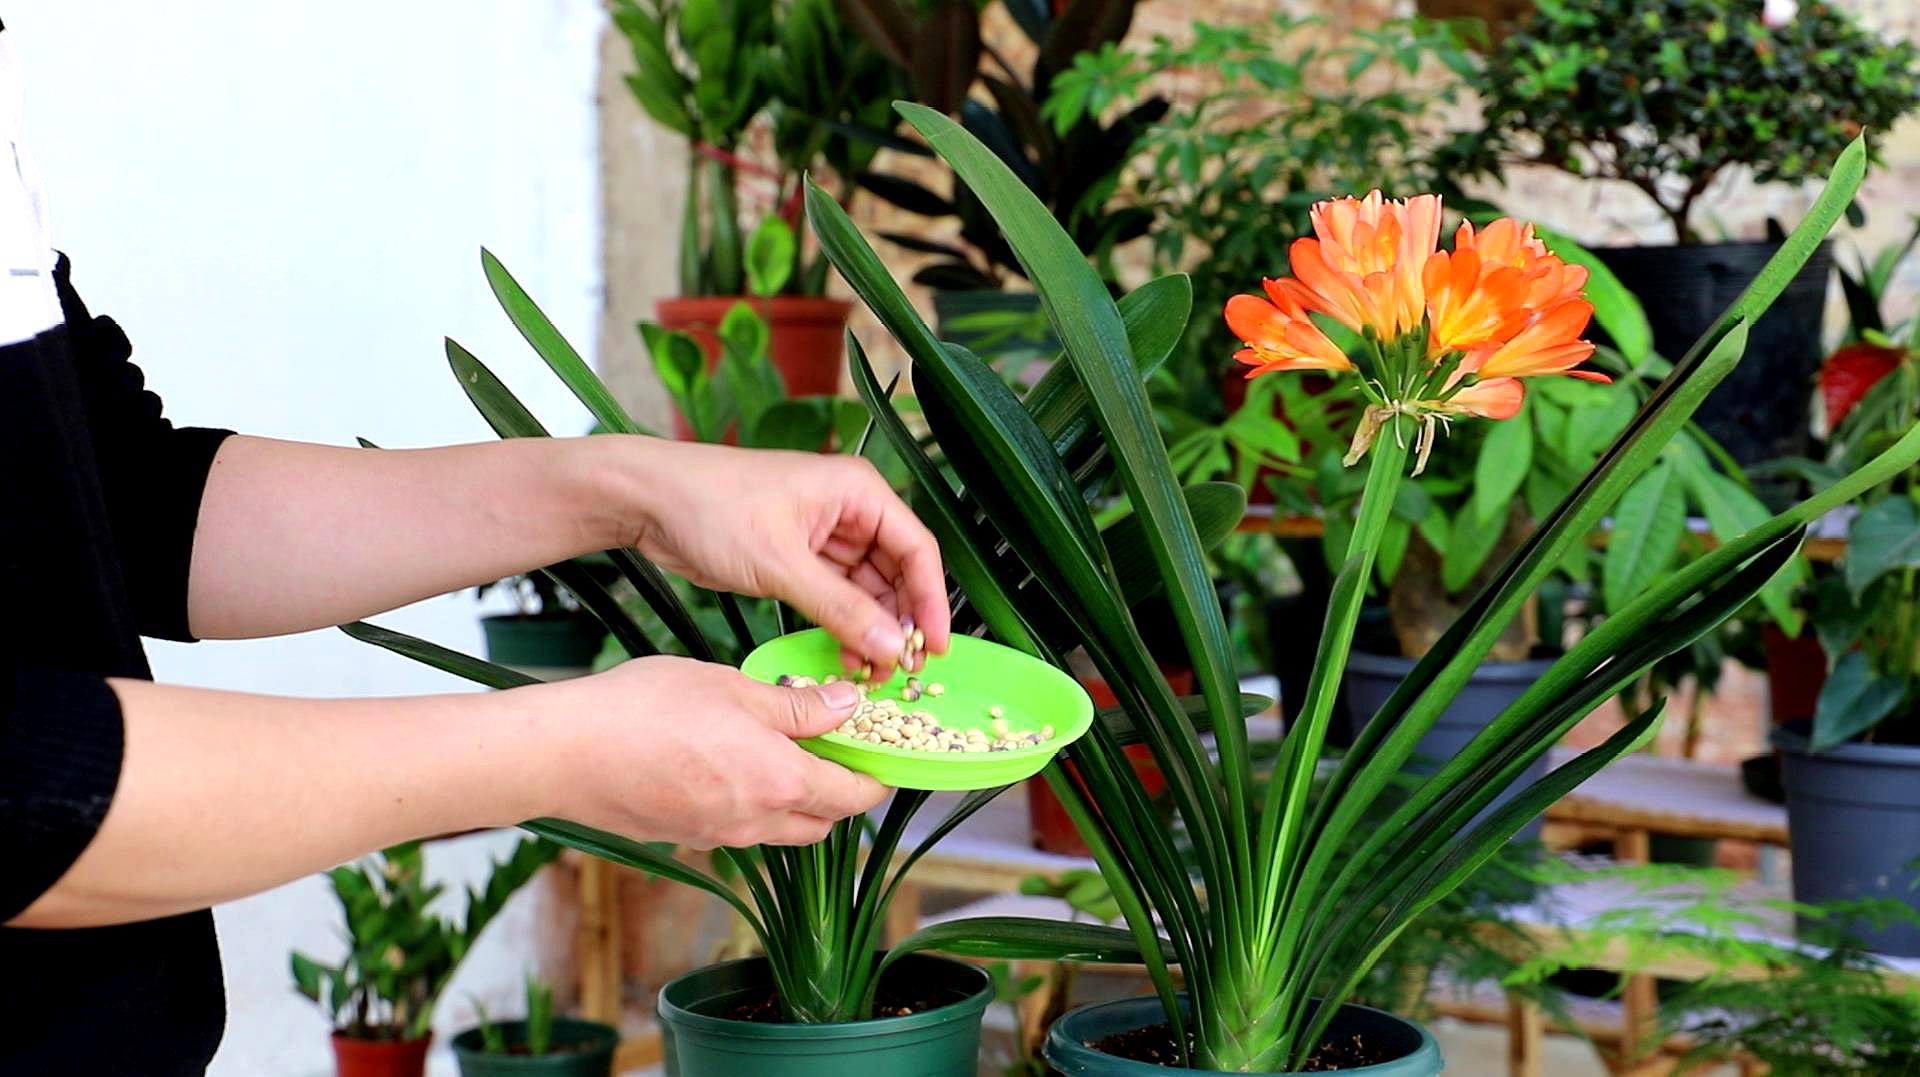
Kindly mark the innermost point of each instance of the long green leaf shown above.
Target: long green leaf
(1090, 328)
(553, 348)
(441, 658)
(1019, 938)
(509, 418)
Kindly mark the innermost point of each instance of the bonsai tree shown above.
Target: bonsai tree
(400, 954)
(1667, 95)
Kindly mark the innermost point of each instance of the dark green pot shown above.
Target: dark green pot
(941, 1042)
(580, 1049)
(566, 642)
(1416, 1053)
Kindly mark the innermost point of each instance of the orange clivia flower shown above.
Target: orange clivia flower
(1447, 333)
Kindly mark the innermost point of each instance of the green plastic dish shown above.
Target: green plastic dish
(977, 675)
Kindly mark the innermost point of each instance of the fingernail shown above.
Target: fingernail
(840, 695)
(885, 641)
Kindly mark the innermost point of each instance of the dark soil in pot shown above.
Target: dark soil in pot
(1155, 1044)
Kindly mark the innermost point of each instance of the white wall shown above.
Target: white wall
(283, 205)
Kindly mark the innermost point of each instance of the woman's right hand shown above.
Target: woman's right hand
(694, 753)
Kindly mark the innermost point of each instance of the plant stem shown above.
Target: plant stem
(1284, 818)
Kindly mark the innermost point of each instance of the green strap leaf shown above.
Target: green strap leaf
(1019, 938)
(554, 350)
(477, 670)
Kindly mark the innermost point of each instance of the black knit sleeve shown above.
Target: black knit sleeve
(57, 777)
(152, 473)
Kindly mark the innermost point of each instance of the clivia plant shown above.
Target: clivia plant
(1275, 893)
(817, 911)
(540, 1043)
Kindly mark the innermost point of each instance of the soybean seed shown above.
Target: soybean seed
(936, 689)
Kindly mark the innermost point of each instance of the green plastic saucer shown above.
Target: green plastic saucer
(978, 675)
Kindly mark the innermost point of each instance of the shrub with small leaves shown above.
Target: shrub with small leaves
(1667, 95)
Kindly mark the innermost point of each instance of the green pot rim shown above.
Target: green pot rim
(673, 1013)
(596, 1035)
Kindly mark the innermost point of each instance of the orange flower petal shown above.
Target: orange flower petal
(1499, 398)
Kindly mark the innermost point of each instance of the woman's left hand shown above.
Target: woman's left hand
(824, 533)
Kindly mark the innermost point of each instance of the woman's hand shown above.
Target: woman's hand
(669, 749)
(823, 533)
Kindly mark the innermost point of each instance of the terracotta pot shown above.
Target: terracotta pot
(1051, 827)
(808, 337)
(1796, 671)
(380, 1058)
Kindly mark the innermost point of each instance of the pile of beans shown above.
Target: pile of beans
(880, 720)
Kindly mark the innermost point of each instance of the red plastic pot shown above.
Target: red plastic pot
(380, 1058)
(1051, 827)
(808, 337)
(1796, 671)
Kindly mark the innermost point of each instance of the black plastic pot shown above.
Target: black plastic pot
(579, 1049)
(1854, 814)
(701, 1041)
(1371, 678)
(544, 646)
(1414, 1050)
(1760, 412)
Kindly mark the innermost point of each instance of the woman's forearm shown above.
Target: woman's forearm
(222, 795)
(293, 537)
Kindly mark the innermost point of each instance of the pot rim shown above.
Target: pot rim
(1428, 1045)
(340, 1034)
(1853, 751)
(465, 1042)
(670, 1012)
(1526, 670)
(821, 307)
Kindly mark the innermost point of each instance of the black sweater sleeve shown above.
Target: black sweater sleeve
(152, 473)
(99, 497)
(61, 740)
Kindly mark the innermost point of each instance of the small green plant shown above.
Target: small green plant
(539, 1024)
(401, 955)
(1666, 96)
(710, 71)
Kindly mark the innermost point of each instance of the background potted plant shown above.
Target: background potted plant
(538, 1044)
(763, 91)
(400, 956)
(1275, 894)
(1666, 97)
(1853, 777)
(548, 636)
(1069, 166)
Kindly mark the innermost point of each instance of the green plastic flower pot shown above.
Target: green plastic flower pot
(701, 1041)
(548, 647)
(579, 1049)
(1415, 1054)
